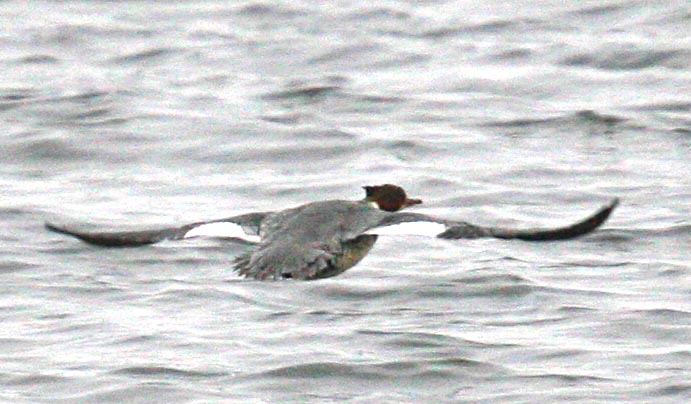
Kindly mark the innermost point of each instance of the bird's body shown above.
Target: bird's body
(323, 239)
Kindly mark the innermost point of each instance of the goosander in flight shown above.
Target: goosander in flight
(323, 239)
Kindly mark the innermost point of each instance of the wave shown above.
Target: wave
(166, 372)
(304, 93)
(144, 56)
(572, 119)
(617, 58)
(420, 369)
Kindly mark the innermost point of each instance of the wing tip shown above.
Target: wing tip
(578, 229)
(603, 214)
(105, 239)
(57, 228)
(585, 226)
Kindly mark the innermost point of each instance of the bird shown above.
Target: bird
(323, 239)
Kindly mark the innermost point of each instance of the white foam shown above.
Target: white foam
(430, 229)
(222, 230)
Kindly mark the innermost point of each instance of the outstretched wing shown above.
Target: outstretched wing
(243, 227)
(449, 229)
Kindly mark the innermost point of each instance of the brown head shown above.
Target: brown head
(389, 197)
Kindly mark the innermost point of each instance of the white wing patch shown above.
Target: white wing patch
(430, 229)
(222, 230)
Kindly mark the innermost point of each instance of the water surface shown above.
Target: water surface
(149, 113)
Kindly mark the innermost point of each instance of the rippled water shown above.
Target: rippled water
(142, 113)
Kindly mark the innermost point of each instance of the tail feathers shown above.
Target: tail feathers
(119, 239)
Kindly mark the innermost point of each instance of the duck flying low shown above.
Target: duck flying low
(323, 239)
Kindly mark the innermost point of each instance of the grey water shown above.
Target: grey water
(146, 113)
